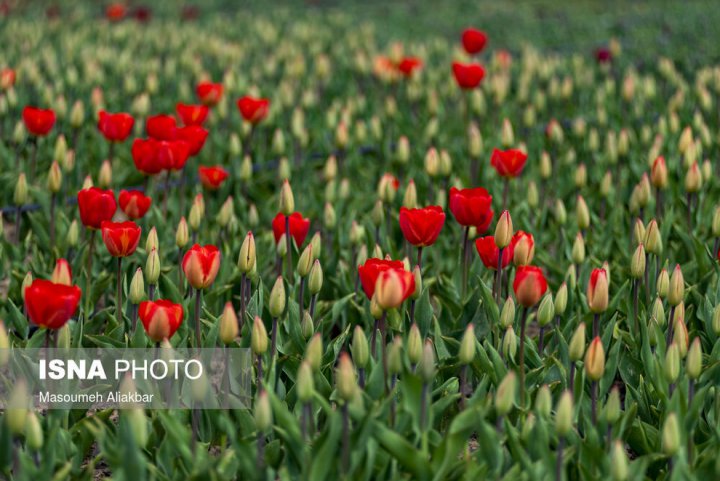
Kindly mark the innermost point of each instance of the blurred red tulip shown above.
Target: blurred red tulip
(51, 305)
(115, 127)
(37, 121)
(209, 93)
(173, 155)
(489, 252)
(160, 318)
(144, 153)
(468, 76)
(212, 177)
(161, 127)
(96, 206)
(253, 110)
(194, 135)
(7, 78)
(473, 40)
(201, 265)
(120, 238)
(142, 14)
(134, 203)
(529, 285)
(508, 163)
(115, 12)
(471, 207)
(408, 65)
(421, 227)
(370, 271)
(192, 114)
(299, 227)
(603, 55)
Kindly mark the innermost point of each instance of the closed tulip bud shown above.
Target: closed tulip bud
(417, 275)
(543, 401)
(284, 169)
(246, 169)
(305, 384)
(195, 217)
(359, 347)
(475, 141)
(410, 197)
(105, 175)
(546, 311)
(402, 151)
(247, 257)
(20, 196)
(315, 279)
(329, 217)
(637, 264)
(606, 185)
(137, 287)
(676, 291)
(394, 356)
(639, 232)
(507, 315)
(612, 406)
(432, 162)
(663, 283)
(658, 312)
(564, 414)
(314, 351)
(17, 407)
(431, 130)
(138, 424)
(560, 212)
(258, 337)
(595, 360)
(467, 346)
(54, 181)
(671, 436)
(580, 176)
(344, 189)
(504, 230)
(152, 240)
(643, 187)
(263, 412)
(445, 163)
(152, 267)
(414, 345)
(33, 432)
(345, 381)
(509, 343)
(582, 214)
(505, 394)
(377, 215)
(681, 337)
(716, 222)
(226, 213)
(307, 327)
(235, 147)
(693, 363)
(533, 197)
(545, 166)
(576, 348)
(316, 243)
(693, 179)
(276, 305)
(507, 136)
(659, 173)
(653, 239)
(77, 114)
(619, 462)
(228, 328)
(287, 200)
(19, 133)
(62, 273)
(671, 367)
(181, 234)
(678, 314)
(706, 170)
(305, 262)
(281, 246)
(686, 139)
(561, 298)
(376, 311)
(578, 249)
(87, 182)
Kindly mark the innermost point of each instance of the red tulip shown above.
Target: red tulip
(393, 286)
(299, 227)
(603, 55)
(96, 206)
(161, 127)
(209, 93)
(253, 110)
(172, 155)
(468, 76)
(120, 238)
(212, 177)
(192, 114)
(529, 285)
(115, 127)
(408, 65)
(421, 227)
(201, 265)
(51, 305)
(370, 271)
(160, 318)
(142, 14)
(471, 207)
(523, 246)
(195, 137)
(508, 163)
(38, 122)
(134, 203)
(489, 252)
(144, 153)
(7, 78)
(115, 12)
(473, 40)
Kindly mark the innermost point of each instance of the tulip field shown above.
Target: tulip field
(462, 254)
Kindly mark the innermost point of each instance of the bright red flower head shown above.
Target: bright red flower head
(529, 285)
(115, 127)
(209, 93)
(201, 265)
(473, 40)
(51, 305)
(299, 227)
(173, 154)
(212, 177)
(37, 121)
(192, 114)
(408, 65)
(393, 286)
(115, 12)
(489, 252)
(370, 271)
(471, 207)
(508, 163)
(96, 206)
(7, 78)
(253, 110)
(468, 76)
(144, 153)
(421, 227)
(161, 127)
(134, 203)
(194, 135)
(120, 238)
(160, 318)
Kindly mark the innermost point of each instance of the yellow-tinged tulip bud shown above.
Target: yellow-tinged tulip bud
(663, 283)
(505, 394)
(432, 162)
(247, 257)
(639, 232)
(595, 360)
(345, 381)
(152, 240)
(377, 215)
(659, 173)
(475, 141)
(359, 347)
(545, 166)
(20, 196)
(546, 310)
(17, 407)
(54, 181)
(263, 412)
(693, 363)
(693, 179)
(504, 230)
(87, 183)
(564, 414)
(276, 305)
(415, 345)
(314, 352)
(582, 214)
(543, 401)
(228, 328)
(258, 337)
(466, 353)
(137, 287)
(671, 367)
(533, 198)
(394, 356)
(509, 344)
(287, 200)
(402, 152)
(576, 348)
(33, 432)
(27, 280)
(152, 267)
(305, 383)
(560, 212)
(426, 367)
(507, 315)
(612, 406)
(581, 176)
(578, 249)
(305, 262)
(105, 175)
(561, 298)
(619, 462)
(4, 345)
(315, 279)
(676, 291)
(507, 136)
(637, 264)
(181, 234)
(681, 337)
(671, 436)
(653, 239)
(410, 197)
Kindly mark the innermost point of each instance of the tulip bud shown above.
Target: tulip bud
(606, 185)
(639, 232)
(377, 215)
(546, 311)
(671, 436)
(258, 337)
(54, 181)
(415, 345)
(137, 287)
(693, 364)
(576, 348)
(658, 312)
(582, 214)
(681, 337)
(637, 264)
(410, 197)
(509, 343)
(507, 315)
(693, 179)
(276, 305)
(578, 249)
(505, 394)
(564, 414)
(195, 217)
(619, 462)
(581, 176)
(659, 174)
(181, 234)
(61, 273)
(676, 291)
(228, 328)
(305, 262)
(105, 175)
(314, 352)
(359, 347)
(663, 283)
(394, 356)
(315, 279)
(504, 230)
(305, 384)
(345, 381)
(560, 213)
(247, 257)
(524, 251)
(33, 432)
(77, 114)
(17, 407)
(653, 239)
(263, 412)
(475, 141)
(595, 360)
(671, 367)
(612, 406)
(287, 201)
(20, 196)
(402, 151)
(543, 401)
(152, 267)
(507, 136)
(226, 213)
(561, 298)
(467, 346)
